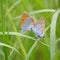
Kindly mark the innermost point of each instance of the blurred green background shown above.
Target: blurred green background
(17, 45)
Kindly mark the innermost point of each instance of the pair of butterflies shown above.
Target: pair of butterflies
(28, 23)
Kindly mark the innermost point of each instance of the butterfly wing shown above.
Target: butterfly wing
(27, 22)
(39, 28)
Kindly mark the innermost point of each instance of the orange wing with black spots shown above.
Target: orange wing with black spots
(27, 22)
(23, 18)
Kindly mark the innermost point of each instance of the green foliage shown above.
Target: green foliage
(17, 45)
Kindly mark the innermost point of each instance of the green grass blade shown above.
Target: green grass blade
(53, 34)
(30, 51)
(12, 7)
(3, 44)
(17, 37)
(3, 19)
(1, 52)
(42, 11)
(36, 12)
(17, 34)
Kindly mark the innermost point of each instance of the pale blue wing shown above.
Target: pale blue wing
(27, 24)
(39, 29)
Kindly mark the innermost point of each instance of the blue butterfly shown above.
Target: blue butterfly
(28, 23)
